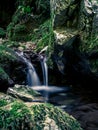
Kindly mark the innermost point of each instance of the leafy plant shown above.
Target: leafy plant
(2, 33)
(25, 9)
(43, 36)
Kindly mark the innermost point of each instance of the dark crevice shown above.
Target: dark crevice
(7, 9)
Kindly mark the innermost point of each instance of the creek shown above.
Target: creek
(61, 96)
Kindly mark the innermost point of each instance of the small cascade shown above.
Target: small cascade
(32, 77)
(44, 70)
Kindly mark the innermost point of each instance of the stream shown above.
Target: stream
(61, 96)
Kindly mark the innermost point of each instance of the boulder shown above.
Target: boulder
(25, 93)
(87, 115)
(15, 114)
(12, 68)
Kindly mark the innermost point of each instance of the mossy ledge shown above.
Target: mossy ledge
(16, 115)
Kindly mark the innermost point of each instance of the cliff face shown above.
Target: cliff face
(74, 17)
(75, 30)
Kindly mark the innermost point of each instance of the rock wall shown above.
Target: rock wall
(73, 17)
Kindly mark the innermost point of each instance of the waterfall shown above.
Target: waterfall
(44, 70)
(32, 77)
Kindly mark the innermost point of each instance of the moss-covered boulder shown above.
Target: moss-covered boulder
(15, 115)
(25, 93)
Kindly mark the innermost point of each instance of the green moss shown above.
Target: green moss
(3, 102)
(6, 55)
(11, 44)
(18, 32)
(25, 90)
(5, 99)
(62, 119)
(43, 36)
(16, 115)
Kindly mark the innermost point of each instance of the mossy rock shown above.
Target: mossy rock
(6, 58)
(16, 115)
(24, 93)
(11, 68)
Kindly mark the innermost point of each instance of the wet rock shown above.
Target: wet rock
(25, 93)
(87, 115)
(74, 65)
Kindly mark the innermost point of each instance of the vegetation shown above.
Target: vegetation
(43, 36)
(93, 43)
(6, 55)
(16, 115)
(34, 21)
(2, 33)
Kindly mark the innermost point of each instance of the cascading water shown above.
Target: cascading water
(32, 77)
(63, 100)
(44, 70)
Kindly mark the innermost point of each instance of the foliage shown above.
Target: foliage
(5, 99)
(18, 32)
(6, 54)
(25, 9)
(2, 33)
(3, 102)
(93, 45)
(23, 2)
(11, 44)
(16, 115)
(62, 119)
(43, 36)
(93, 42)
